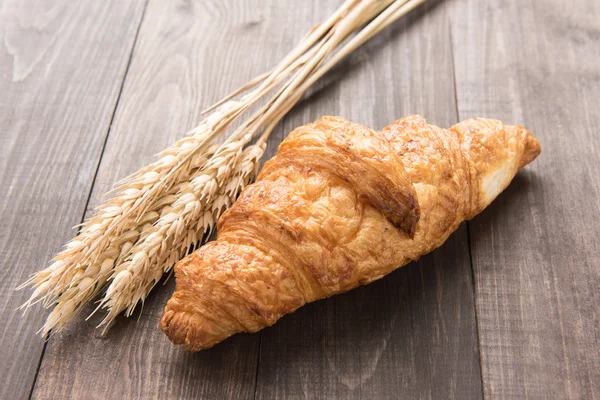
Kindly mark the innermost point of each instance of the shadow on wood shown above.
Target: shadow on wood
(515, 195)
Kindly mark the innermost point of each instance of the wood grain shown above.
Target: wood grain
(536, 250)
(411, 334)
(61, 68)
(188, 55)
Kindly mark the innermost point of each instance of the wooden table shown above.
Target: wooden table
(509, 307)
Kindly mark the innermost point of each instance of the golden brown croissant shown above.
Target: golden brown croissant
(339, 206)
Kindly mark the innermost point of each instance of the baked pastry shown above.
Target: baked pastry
(339, 206)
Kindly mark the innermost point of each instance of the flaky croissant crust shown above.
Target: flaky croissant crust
(339, 206)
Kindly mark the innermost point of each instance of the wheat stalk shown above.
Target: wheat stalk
(159, 212)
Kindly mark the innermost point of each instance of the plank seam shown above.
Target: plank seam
(257, 365)
(451, 39)
(89, 196)
(475, 310)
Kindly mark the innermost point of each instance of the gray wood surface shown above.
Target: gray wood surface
(536, 254)
(61, 68)
(526, 326)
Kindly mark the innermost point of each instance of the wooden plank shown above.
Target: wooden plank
(188, 55)
(413, 333)
(61, 68)
(536, 250)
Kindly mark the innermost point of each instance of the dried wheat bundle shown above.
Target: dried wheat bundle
(161, 211)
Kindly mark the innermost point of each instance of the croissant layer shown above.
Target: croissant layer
(339, 206)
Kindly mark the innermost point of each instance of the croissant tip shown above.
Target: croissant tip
(532, 147)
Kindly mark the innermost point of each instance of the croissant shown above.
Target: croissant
(339, 206)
